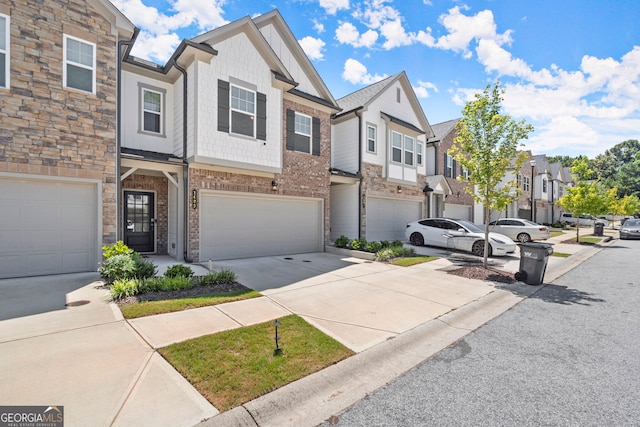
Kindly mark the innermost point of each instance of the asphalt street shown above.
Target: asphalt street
(566, 356)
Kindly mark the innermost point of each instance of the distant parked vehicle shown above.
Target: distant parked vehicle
(518, 229)
(457, 234)
(630, 229)
(568, 218)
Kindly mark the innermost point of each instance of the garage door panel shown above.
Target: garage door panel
(387, 218)
(242, 227)
(51, 227)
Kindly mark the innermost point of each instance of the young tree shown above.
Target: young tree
(586, 197)
(487, 145)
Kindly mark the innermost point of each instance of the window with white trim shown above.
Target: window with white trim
(544, 185)
(408, 150)
(152, 107)
(371, 138)
(420, 147)
(464, 172)
(448, 167)
(79, 70)
(303, 130)
(396, 147)
(525, 183)
(243, 111)
(4, 51)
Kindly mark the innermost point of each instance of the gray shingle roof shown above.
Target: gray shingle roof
(361, 97)
(443, 129)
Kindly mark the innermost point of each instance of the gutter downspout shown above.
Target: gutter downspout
(360, 192)
(185, 165)
(128, 44)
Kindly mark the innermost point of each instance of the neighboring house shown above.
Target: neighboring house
(226, 148)
(458, 203)
(379, 162)
(58, 134)
(542, 190)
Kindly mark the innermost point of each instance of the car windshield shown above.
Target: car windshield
(470, 226)
(632, 222)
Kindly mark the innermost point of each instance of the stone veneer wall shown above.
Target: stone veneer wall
(159, 185)
(48, 130)
(303, 175)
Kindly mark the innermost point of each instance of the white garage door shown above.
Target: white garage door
(457, 211)
(387, 218)
(47, 227)
(239, 226)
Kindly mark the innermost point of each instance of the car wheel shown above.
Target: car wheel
(523, 238)
(416, 239)
(478, 248)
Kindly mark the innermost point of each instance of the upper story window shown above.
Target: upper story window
(525, 183)
(79, 64)
(396, 147)
(152, 114)
(408, 150)
(371, 138)
(303, 133)
(242, 110)
(464, 172)
(544, 185)
(419, 160)
(4, 51)
(448, 166)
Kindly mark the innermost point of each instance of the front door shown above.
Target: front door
(139, 221)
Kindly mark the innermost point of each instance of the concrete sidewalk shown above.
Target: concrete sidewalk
(105, 370)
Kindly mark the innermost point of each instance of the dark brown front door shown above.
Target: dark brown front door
(139, 221)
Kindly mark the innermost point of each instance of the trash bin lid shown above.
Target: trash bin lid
(536, 245)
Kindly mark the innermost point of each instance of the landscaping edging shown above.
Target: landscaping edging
(350, 252)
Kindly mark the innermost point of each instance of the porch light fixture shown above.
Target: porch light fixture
(399, 189)
(427, 189)
(274, 185)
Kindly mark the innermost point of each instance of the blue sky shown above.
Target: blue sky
(571, 68)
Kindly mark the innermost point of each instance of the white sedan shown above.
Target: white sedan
(518, 229)
(457, 234)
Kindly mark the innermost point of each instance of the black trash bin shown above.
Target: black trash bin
(598, 229)
(533, 262)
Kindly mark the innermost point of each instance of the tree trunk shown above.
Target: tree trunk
(485, 260)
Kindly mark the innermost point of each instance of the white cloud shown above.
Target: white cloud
(312, 47)
(565, 131)
(347, 33)
(318, 26)
(356, 73)
(422, 90)
(332, 6)
(157, 48)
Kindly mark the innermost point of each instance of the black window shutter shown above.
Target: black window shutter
(315, 149)
(261, 129)
(455, 165)
(223, 106)
(291, 130)
(446, 169)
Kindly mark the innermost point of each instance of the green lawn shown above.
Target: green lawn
(586, 239)
(233, 367)
(409, 261)
(561, 254)
(148, 308)
(556, 233)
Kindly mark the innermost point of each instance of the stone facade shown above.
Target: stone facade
(46, 129)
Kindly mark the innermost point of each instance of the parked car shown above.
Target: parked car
(568, 218)
(518, 229)
(630, 229)
(457, 234)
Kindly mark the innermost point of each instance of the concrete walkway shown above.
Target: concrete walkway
(73, 348)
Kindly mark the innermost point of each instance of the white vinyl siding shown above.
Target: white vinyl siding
(5, 55)
(79, 70)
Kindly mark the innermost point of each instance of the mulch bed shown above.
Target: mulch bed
(480, 273)
(195, 291)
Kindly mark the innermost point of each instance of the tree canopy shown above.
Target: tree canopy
(487, 145)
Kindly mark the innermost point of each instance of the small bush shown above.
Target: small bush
(118, 267)
(396, 243)
(385, 244)
(119, 248)
(151, 284)
(358, 244)
(124, 288)
(175, 283)
(179, 270)
(225, 276)
(373, 247)
(144, 268)
(395, 252)
(342, 242)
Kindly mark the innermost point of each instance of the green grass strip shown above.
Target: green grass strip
(561, 254)
(409, 261)
(235, 366)
(149, 308)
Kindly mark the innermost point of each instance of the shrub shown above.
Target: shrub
(119, 248)
(373, 247)
(124, 288)
(144, 268)
(225, 276)
(151, 284)
(118, 267)
(358, 244)
(342, 242)
(395, 252)
(179, 270)
(175, 283)
(396, 243)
